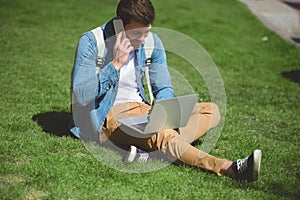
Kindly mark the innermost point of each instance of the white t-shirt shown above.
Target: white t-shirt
(128, 88)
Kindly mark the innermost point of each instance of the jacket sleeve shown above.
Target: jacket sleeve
(159, 74)
(86, 84)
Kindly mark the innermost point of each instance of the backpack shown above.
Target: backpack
(149, 46)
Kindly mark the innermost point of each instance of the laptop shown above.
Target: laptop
(169, 113)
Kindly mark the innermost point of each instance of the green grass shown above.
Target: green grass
(37, 43)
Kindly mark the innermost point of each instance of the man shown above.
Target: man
(100, 99)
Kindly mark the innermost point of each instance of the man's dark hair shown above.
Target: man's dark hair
(141, 11)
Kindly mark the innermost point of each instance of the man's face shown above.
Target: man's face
(137, 33)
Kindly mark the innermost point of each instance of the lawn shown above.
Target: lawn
(40, 160)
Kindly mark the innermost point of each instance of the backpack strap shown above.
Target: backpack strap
(98, 33)
(149, 46)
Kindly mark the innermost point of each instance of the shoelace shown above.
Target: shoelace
(143, 157)
(242, 165)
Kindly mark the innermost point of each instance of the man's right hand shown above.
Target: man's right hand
(122, 50)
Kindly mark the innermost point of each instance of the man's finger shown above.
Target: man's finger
(130, 48)
(126, 43)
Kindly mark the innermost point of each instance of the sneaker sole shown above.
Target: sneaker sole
(256, 163)
(131, 155)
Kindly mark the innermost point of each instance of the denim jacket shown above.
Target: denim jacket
(93, 94)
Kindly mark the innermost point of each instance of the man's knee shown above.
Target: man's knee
(212, 110)
(161, 139)
(216, 116)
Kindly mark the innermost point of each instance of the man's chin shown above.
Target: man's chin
(136, 45)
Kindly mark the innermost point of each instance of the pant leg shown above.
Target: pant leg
(204, 117)
(113, 135)
(175, 148)
(125, 110)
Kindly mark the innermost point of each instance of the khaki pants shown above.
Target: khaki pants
(173, 144)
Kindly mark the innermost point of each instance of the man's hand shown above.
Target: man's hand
(122, 50)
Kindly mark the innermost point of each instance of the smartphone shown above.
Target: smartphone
(118, 26)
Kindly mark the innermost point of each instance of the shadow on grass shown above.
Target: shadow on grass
(293, 75)
(54, 122)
